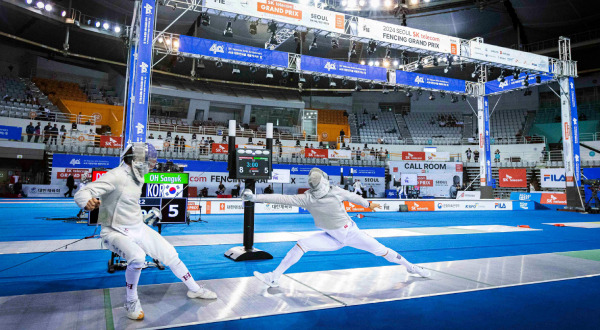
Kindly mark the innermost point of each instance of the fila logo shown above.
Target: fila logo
(329, 66)
(216, 49)
(419, 80)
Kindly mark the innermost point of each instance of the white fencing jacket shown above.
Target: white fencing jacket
(329, 212)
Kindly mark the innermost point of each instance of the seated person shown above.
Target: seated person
(221, 190)
(268, 190)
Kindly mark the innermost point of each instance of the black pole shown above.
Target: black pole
(249, 217)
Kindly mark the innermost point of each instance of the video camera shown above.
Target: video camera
(169, 166)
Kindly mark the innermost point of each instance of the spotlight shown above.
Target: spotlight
(501, 77)
(454, 99)
(409, 94)
(475, 73)
(371, 85)
(205, 20)
(285, 74)
(272, 27)
(516, 74)
(176, 43)
(462, 66)
(106, 26)
(219, 64)
(464, 97)
(372, 47)
(117, 29)
(435, 61)
(228, 30)
(334, 44)
(396, 89)
(29, 2)
(386, 63)
(376, 63)
(316, 78)
(313, 44)
(161, 39)
(97, 24)
(442, 94)
(371, 63)
(431, 97)
(396, 63)
(301, 79)
(273, 40)
(538, 79)
(48, 7)
(332, 83)
(63, 13)
(269, 74)
(361, 3)
(374, 3)
(40, 5)
(357, 87)
(388, 53)
(362, 62)
(526, 81)
(387, 3)
(236, 69)
(200, 65)
(385, 90)
(419, 92)
(447, 69)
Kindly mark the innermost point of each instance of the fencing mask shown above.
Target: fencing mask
(142, 158)
(318, 182)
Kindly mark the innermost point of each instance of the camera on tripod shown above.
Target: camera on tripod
(592, 205)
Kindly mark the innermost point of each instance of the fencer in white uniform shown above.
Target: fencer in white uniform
(358, 187)
(85, 179)
(123, 229)
(325, 204)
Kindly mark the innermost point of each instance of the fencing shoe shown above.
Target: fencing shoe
(414, 269)
(134, 310)
(202, 293)
(267, 278)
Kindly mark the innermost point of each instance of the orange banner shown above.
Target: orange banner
(420, 205)
(351, 207)
(279, 8)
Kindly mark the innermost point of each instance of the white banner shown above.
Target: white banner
(280, 176)
(409, 179)
(468, 195)
(283, 11)
(473, 206)
(340, 154)
(425, 167)
(553, 178)
(402, 35)
(46, 190)
(507, 56)
(158, 144)
(437, 156)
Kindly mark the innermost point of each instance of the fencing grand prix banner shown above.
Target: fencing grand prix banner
(348, 69)
(229, 51)
(509, 83)
(513, 177)
(427, 81)
(491, 53)
(283, 11)
(405, 36)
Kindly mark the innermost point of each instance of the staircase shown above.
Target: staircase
(353, 125)
(467, 131)
(403, 128)
(528, 122)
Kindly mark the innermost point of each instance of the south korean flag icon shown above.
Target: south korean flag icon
(172, 190)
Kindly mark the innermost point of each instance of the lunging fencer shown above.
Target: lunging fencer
(358, 187)
(325, 204)
(123, 229)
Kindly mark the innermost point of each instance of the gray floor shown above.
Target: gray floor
(17, 247)
(166, 304)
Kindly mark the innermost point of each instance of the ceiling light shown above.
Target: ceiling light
(357, 87)
(97, 24)
(48, 7)
(106, 26)
(63, 13)
(205, 19)
(117, 29)
(40, 5)
(228, 32)
(236, 69)
(374, 3)
(219, 64)
(313, 44)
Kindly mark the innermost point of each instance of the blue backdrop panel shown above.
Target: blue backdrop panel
(509, 83)
(83, 161)
(352, 70)
(427, 81)
(10, 132)
(575, 134)
(231, 51)
(486, 124)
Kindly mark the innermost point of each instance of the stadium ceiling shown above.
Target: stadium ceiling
(499, 22)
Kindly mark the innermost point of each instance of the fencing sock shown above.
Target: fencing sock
(132, 277)
(393, 256)
(291, 258)
(181, 271)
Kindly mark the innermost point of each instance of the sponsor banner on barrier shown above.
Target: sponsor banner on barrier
(553, 178)
(468, 195)
(83, 161)
(111, 141)
(523, 206)
(159, 144)
(283, 11)
(347, 69)
(507, 56)
(226, 50)
(427, 81)
(339, 154)
(40, 190)
(10, 132)
(316, 153)
(406, 36)
(351, 207)
(413, 155)
(553, 199)
(472, 205)
(425, 167)
(513, 177)
(280, 176)
(76, 172)
(420, 205)
(230, 206)
(437, 156)
(509, 82)
(220, 148)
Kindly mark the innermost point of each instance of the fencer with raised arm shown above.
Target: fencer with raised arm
(124, 232)
(325, 204)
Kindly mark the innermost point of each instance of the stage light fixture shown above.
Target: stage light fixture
(63, 13)
(409, 94)
(117, 29)
(538, 79)
(388, 53)
(344, 3)
(454, 99)
(313, 44)
(253, 69)
(462, 66)
(501, 77)
(386, 63)
(357, 87)
(106, 26)
(28, 2)
(375, 3)
(301, 79)
(353, 49)
(396, 63)
(269, 74)
(228, 32)
(447, 69)
(332, 83)
(176, 44)
(334, 44)
(344, 82)
(396, 89)
(161, 39)
(435, 61)
(180, 59)
(371, 85)
(419, 63)
(219, 64)
(387, 3)
(236, 69)
(316, 78)
(296, 36)
(372, 47)
(40, 5)
(272, 27)
(97, 24)
(362, 3)
(419, 92)
(376, 63)
(385, 90)
(273, 39)
(425, 61)
(48, 7)
(526, 81)
(442, 95)
(516, 74)
(403, 58)
(285, 74)
(431, 96)
(464, 97)
(200, 65)
(205, 20)
(371, 63)
(476, 72)
(362, 62)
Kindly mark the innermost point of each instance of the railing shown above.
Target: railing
(553, 43)
(224, 131)
(55, 117)
(444, 141)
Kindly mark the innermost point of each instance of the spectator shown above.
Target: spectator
(38, 131)
(79, 118)
(87, 122)
(346, 113)
(168, 140)
(63, 134)
(70, 185)
(29, 130)
(151, 136)
(311, 146)
(204, 192)
(194, 137)
(374, 117)
(297, 143)
(182, 142)
(6, 98)
(54, 134)
(371, 192)
(211, 141)
(224, 139)
(358, 153)
(221, 190)
(342, 134)
(235, 192)
(74, 126)
(468, 152)
(47, 132)
(497, 156)
(268, 190)
(365, 111)
(544, 154)
(476, 155)
(159, 137)
(176, 144)
(387, 154)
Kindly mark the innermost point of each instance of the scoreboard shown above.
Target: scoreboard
(164, 191)
(253, 164)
